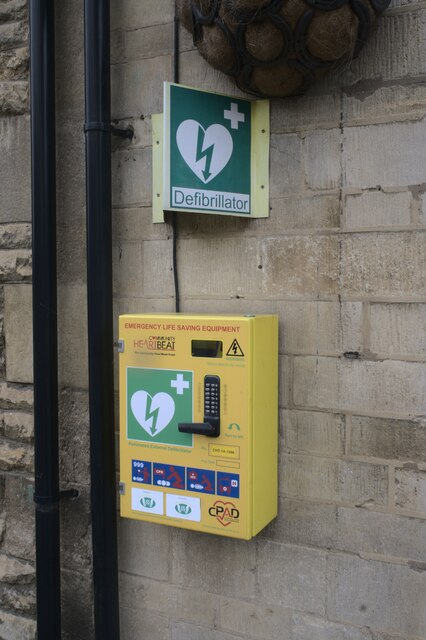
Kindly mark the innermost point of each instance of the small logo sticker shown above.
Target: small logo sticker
(183, 509)
(149, 503)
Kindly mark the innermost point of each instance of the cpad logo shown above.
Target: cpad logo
(225, 512)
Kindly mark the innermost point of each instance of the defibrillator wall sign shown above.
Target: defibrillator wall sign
(214, 154)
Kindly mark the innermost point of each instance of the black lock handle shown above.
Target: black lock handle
(210, 429)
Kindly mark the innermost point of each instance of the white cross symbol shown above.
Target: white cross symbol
(179, 384)
(234, 115)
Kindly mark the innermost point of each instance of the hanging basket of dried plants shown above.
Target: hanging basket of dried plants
(279, 47)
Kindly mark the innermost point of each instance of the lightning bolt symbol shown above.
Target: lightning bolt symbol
(154, 416)
(204, 153)
(234, 349)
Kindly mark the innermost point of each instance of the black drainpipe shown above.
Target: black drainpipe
(100, 326)
(46, 490)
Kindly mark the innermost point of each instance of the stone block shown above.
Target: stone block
(359, 385)
(127, 270)
(199, 257)
(71, 243)
(156, 278)
(76, 532)
(14, 456)
(20, 599)
(15, 266)
(389, 155)
(286, 214)
(135, 225)
(74, 437)
(195, 564)
(19, 332)
(304, 523)
(313, 432)
(300, 265)
(368, 594)
(286, 162)
(327, 328)
(201, 225)
(162, 598)
(13, 10)
(14, 97)
(378, 209)
(133, 15)
(72, 335)
(139, 623)
(388, 438)
(15, 236)
(383, 103)
(255, 619)
(422, 212)
(16, 176)
(398, 329)
(14, 396)
(152, 542)
(14, 571)
(71, 200)
(362, 531)
(131, 177)
(138, 88)
(77, 605)
(381, 60)
(292, 577)
(19, 510)
(13, 34)
(16, 627)
(410, 488)
(139, 44)
(69, 63)
(314, 628)
(184, 631)
(305, 112)
(284, 381)
(322, 158)
(338, 481)
(392, 264)
(196, 72)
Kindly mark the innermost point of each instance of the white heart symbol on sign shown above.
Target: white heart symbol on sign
(205, 151)
(152, 412)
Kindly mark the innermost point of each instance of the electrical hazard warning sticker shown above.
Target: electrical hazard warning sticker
(235, 349)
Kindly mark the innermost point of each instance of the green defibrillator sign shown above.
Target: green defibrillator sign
(215, 154)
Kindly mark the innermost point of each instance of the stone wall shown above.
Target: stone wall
(17, 572)
(341, 260)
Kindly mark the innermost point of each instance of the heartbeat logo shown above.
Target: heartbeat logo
(205, 151)
(235, 350)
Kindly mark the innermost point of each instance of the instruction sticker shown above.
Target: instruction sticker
(147, 501)
(183, 507)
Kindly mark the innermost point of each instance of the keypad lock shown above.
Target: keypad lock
(211, 425)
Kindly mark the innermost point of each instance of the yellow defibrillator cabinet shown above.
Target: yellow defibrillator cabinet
(198, 421)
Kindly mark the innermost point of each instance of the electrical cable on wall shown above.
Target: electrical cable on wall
(174, 216)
